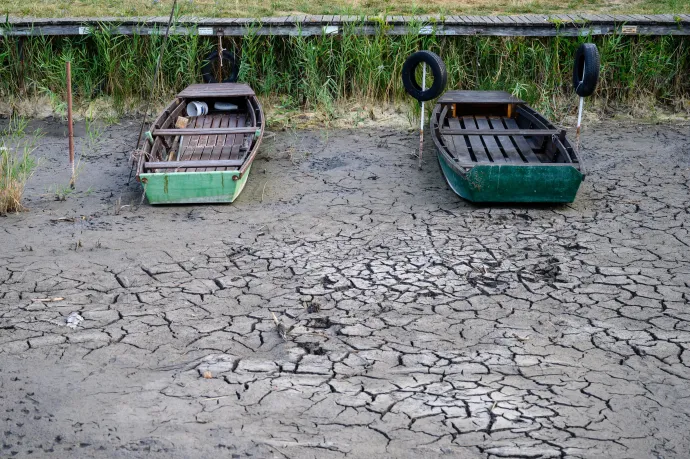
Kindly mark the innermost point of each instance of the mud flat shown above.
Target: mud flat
(417, 324)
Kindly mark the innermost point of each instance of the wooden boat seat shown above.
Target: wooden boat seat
(479, 98)
(216, 90)
(489, 149)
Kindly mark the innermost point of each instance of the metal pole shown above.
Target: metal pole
(69, 121)
(579, 117)
(421, 122)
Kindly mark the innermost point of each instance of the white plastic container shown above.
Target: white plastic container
(196, 108)
(224, 106)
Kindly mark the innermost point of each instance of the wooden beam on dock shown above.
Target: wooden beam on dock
(527, 25)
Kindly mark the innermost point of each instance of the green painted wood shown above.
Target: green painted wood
(514, 183)
(193, 187)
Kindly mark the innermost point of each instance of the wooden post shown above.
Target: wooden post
(69, 121)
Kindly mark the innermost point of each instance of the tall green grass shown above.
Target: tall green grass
(16, 164)
(318, 72)
(103, 64)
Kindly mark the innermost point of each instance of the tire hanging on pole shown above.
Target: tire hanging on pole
(438, 70)
(586, 69)
(229, 58)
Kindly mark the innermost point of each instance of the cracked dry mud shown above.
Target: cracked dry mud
(418, 325)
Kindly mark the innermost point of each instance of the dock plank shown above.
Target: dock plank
(511, 153)
(191, 140)
(220, 140)
(475, 141)
(230, 142)
(522, 144)
(202, 154)
(456, 143)
(227, 145)
(502, 25)
(210, 140)
(490, 141)
(237, 141)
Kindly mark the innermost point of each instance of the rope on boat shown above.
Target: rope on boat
(135, 155)
(220, 53)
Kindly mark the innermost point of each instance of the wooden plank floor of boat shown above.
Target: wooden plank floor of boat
(488, 149)
(214, 146)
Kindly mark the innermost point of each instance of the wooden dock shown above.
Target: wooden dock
(527, 25)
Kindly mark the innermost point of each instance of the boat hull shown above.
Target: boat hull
(513, 183)
(193, 187)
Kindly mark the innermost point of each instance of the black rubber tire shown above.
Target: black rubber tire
(586, 69)
(438, 70)
(229, 58)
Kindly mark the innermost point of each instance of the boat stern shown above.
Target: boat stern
(193, 187)
(548, 183)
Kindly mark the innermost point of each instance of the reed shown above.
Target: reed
(321, 72)
(16, 164)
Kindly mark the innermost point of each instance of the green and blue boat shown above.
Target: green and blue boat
(492, 147)
(202, 155)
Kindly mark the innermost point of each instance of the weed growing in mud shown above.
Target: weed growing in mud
(321, 72)
(62, 192)
(93, 135)
(16, 164)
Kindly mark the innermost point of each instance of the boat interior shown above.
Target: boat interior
(221, 140)
(494, 127)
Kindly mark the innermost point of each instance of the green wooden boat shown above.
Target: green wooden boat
(204, 158)
(492, 147)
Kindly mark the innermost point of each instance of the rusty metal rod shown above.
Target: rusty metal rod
(69, 122)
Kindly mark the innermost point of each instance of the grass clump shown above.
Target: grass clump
(16, 164)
